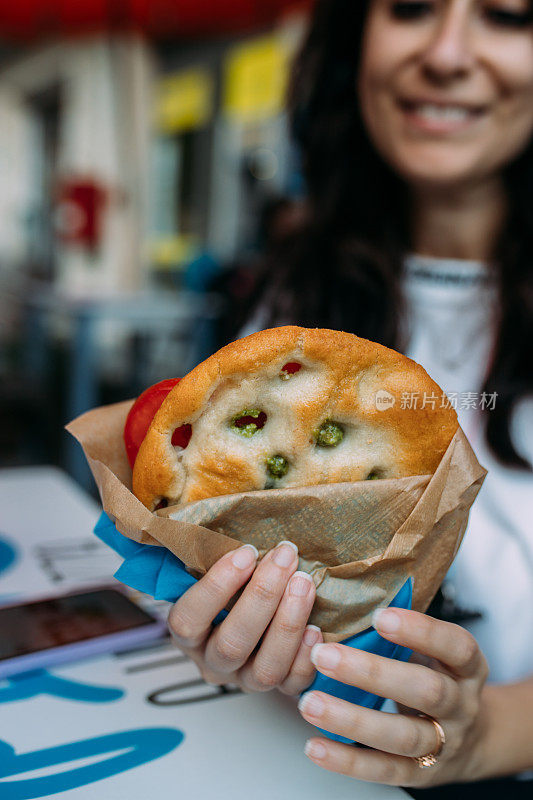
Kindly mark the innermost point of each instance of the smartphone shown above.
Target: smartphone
(56, 630)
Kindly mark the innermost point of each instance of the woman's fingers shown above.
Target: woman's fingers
(302, 671)
(421, 688)
(393, 733)
(232, 642)
(191, 616)
(366, 765)
(271, 664)
(448, 643)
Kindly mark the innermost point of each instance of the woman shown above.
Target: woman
(415, 121)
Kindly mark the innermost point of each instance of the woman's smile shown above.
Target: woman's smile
(431, 116)
(446, 88)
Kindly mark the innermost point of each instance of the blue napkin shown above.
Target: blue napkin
(370, 641)
(159, 573)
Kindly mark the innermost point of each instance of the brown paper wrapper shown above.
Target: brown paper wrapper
(360, 541)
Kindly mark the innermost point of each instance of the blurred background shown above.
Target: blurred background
(143, 155)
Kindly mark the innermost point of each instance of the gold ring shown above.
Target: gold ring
(430, 759)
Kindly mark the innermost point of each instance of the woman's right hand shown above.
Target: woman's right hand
(272, 612)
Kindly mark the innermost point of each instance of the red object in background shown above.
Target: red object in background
(78, 212)
(29, 19)
(141, 415)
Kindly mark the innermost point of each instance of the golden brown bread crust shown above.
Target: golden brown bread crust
(340, 377)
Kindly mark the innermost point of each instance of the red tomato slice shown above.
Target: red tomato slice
(141, 415)
(291, 367)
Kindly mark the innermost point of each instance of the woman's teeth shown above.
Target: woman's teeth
(443, 113)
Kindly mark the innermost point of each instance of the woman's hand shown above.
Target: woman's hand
(445, 684)
(273, 610)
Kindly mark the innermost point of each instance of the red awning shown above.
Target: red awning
(30, 19)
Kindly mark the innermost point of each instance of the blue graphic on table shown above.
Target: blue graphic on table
(143, 745)
(8, 554)
(40, 681)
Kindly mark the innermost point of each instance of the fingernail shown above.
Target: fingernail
(326, 656)
(386, 620)
(311, 704)
(314, 749)
(284, 554)
(245, 556)
(311, 635)
(300, 584)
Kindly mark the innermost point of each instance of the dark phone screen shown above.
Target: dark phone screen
(45, 624)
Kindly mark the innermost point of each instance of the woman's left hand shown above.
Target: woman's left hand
(445, 684)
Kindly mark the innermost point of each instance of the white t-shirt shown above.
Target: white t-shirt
(450, 317)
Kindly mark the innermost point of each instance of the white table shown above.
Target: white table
(139, 725)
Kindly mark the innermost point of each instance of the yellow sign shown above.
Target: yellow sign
(184, 100)
(256, 79)
(173, 251)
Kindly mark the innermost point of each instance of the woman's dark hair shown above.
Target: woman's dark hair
(342, 269)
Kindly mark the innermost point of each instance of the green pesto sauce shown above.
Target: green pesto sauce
(277, 466)
(330, 434)
(251, 428)
(374, 475)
